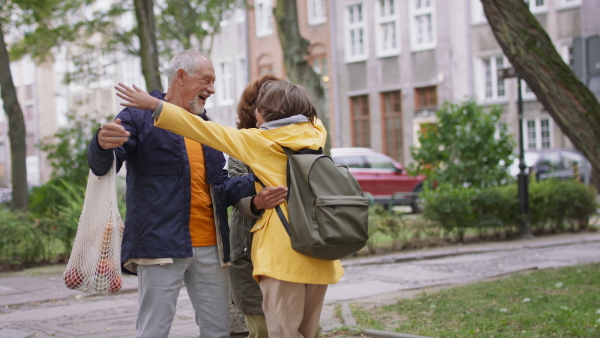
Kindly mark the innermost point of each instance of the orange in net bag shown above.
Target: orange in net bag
(95, 262)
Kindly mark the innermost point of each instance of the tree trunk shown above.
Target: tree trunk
(572, 106)
(16, 131)
(146, 31)
(295, 58)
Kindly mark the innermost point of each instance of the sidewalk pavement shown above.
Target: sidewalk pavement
(36, 299)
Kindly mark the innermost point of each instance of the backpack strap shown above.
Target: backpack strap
(282, 217)
(289, 152)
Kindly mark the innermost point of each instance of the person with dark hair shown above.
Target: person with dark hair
(176, 229)
(293, 285)
(245, 292)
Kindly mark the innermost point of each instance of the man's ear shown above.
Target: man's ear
(180, 77)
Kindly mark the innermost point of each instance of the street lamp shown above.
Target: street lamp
(522, 178)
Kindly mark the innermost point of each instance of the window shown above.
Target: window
(537, 6)
(359, 112)
(387, 27)
(319, 64)
(492, 88)
(224, 83)
(265, 69)
(316, 12)
(526, 92)
(566, 51)
(477, 13)
(356, 45)
(426, 98)
(15, 71)
(569, 3)
(392, 121)
(242, 74)
(423, 25)
(538, 133)
(263, 14)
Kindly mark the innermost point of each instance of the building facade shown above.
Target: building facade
(265, 53)
(386, 67)
(398, 60)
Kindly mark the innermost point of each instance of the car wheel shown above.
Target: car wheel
(417, 201)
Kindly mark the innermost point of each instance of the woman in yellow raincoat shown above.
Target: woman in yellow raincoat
(293, 285)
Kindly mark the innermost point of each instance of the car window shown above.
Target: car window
(378, 162)
(351, 161)
(570, 159)
(552, 160)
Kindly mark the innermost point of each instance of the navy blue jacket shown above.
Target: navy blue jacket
(158, 188)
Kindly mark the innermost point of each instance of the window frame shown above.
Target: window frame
(414, 14)
(477, 13)
(355, 26)
(418, 93)
(564, 4)
(397, 153)
(380, 21)
(482, 80)
(320, 12)
(534, 8)
(537, 125)
(224, 80)
(262, 14)
(366, 119)
(241, 74)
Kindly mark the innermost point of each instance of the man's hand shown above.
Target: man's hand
(112, 135)
(136, 98)
(269, 198)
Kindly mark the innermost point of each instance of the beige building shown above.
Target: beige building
(264, 49)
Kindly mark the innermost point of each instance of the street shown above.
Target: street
(37, 304)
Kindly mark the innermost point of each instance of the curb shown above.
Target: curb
(399, 258)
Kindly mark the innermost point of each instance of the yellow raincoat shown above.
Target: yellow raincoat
(272, 253)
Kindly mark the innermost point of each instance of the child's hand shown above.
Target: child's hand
(136, 98)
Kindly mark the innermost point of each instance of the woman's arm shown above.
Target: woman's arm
(246, 145)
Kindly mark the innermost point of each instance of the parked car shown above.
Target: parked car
(381, 177)
(555, 163)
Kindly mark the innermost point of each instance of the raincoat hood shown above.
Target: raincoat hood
(295, 132)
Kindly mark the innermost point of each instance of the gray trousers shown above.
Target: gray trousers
(207, 286)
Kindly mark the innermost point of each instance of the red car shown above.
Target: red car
(381, 177)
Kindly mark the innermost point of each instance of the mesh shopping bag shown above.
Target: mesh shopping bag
(94, 265)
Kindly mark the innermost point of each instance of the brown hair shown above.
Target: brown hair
(247, 105)
(281, 99)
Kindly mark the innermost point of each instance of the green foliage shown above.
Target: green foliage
(548, 303)
(461, 147)
(185, 24)
(44, 25)
(25, 240)
(67, 153)
(559, 205)
(554, 205)
(451, 207)
(68, 156)
(384, 222)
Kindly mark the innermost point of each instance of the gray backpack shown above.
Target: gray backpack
(328, 213)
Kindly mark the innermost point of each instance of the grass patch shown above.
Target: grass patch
(550, 303)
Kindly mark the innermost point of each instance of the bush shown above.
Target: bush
(25, 240)
(560, 205)
(554, 205)
(464, 146)
(451, 207)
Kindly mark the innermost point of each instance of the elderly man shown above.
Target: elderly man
(176, 227)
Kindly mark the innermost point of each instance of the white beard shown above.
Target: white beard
(195, 107)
